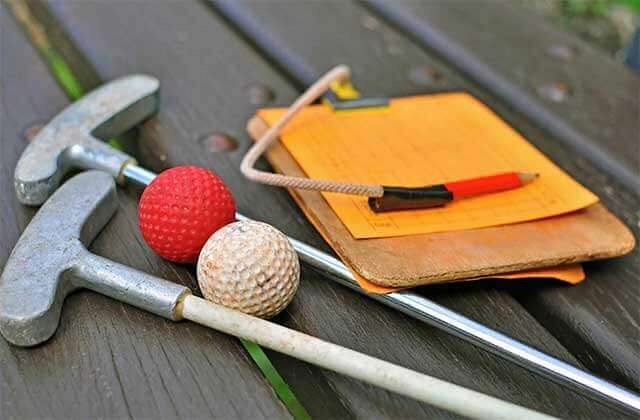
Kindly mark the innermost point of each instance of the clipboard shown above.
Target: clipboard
(407, 261)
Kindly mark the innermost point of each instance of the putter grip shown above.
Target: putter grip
(351, 363)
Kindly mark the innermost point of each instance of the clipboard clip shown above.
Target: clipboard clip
(343, 96)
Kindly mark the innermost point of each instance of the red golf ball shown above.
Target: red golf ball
(181, 208)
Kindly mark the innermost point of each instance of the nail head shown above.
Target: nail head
(555, 92)
(218, 142)
(424, 76)
(562, 52)
(370, 22)
(260, 94)
(31, 131)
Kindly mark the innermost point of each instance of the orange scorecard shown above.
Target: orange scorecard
(425, 140)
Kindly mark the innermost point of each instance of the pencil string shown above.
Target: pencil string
(338, 73)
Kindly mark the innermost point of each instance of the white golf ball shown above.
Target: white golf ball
(249, 266)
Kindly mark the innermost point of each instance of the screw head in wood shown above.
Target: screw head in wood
(424, 76)
(562, 52)
(31, 131)
(218, 142)
(260, 94)
(370, 22)
(554, 92)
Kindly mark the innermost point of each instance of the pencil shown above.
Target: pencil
(403, 198)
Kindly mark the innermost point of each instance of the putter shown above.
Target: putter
(70, 141)
(50, 260)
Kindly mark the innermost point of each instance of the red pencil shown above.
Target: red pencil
(402, 198)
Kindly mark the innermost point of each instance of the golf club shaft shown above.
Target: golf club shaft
(425, 310)
(351, 363)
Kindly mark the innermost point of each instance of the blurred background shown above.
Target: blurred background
(608, 24)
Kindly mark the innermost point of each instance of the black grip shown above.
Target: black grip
(402, 198)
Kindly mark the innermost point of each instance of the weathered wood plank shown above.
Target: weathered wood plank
(205, 71)
(519, 69)
(108, 360)
(597, 321)
(386, 62)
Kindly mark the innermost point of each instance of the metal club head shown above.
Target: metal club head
(70, 140)
(51, 260)
(38, 273)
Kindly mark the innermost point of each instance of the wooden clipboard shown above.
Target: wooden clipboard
(408, 261)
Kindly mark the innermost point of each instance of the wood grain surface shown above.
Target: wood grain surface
(207, 72)
(151, 368)
(597, 320)
(108, 360)
(530, 53)
(604, 106)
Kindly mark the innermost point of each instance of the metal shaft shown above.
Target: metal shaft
(425, 310)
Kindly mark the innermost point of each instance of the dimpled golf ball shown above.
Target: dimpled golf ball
(181, 208)
(251, 267)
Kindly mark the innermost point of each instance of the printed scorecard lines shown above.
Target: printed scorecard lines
(424, 140)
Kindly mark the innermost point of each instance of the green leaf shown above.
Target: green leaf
(63, 74)
(278, 384)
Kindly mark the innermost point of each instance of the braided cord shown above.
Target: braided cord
(314, 92)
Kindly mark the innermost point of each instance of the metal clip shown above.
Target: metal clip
(344, 96)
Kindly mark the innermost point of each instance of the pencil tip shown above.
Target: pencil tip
(526, 177)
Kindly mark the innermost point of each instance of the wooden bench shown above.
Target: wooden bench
(111, 360)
